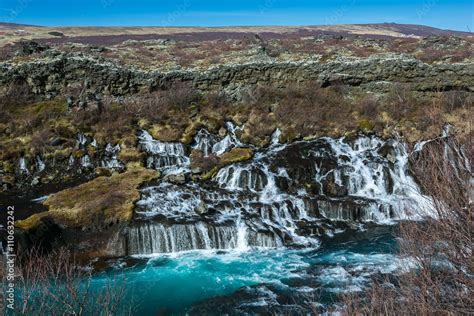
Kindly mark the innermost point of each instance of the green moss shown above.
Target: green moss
(6, 166)
(128, 155)
(210, 174)
(365, 125)
(55, 106)
(95, 204)
(31, 222)
(236, 155)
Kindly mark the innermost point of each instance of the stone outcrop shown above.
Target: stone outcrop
(52, 75)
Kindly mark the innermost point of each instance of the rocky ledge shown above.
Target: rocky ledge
(50, 76)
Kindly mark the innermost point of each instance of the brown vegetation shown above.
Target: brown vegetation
(439, 280)
(93, 204)
(55, 284)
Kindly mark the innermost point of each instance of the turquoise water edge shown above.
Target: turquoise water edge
(175, 283)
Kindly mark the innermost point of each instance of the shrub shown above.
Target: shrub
(182, 95)
(55, 284)
(439, 280)
(204, 163)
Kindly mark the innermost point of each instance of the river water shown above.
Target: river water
(254, 280)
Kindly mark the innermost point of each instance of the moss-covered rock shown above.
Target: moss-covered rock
(236, 155)
(95, 204)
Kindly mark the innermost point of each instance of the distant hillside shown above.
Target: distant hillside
(112, 35)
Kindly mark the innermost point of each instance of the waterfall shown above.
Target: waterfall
(23, 169)
(81, 140)
(165, 156)
(149, 238)
(86, 162)
(205, 142)
(286, 195)
(109, 159)
(40, 166)
(213, 144)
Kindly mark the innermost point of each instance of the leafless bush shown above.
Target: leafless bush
(40, 140)
(7, 52)
(205, 163)
(431, 55)
(369, 107)
(182, 95)
(453, 100)
(17, 94)
(400, 101)
(54, 284)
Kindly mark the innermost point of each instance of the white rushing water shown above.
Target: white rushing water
(22, 167)
(163, 156)
(286, 195)
(110, 160)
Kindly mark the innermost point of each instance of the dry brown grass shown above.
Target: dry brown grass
(203, 163)
(93, 204)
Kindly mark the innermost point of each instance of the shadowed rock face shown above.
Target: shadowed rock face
(49, 77)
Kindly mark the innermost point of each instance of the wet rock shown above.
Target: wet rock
(57, 141)
(388, 150)
(179, 178)
(331, 188)
(100, 171)
(201, 209)
(35, 181)
(28, 48)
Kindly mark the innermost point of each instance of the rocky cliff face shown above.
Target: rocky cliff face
(51, 76)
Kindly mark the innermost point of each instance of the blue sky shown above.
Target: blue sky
(456, 15)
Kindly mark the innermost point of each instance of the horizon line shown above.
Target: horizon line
(234, 26)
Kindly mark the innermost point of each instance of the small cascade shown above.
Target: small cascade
(85, 162)
(40, 166)
(150, 238)
(205, 142)
(22, 168)
(223, 145)
(286, 195)
(81, 141)
(213, 144)
(109, 159)
(71, 162)
(162, 155)
(243, 177)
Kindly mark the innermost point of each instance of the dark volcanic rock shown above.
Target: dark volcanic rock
(51, 75)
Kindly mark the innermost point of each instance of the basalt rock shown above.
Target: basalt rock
(50, 76)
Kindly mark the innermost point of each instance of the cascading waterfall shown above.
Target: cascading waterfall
(23, 169)
(110, 160)
(213, 144)
(40, 166)
(152, 238)
(161, 155)
(286, 195)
